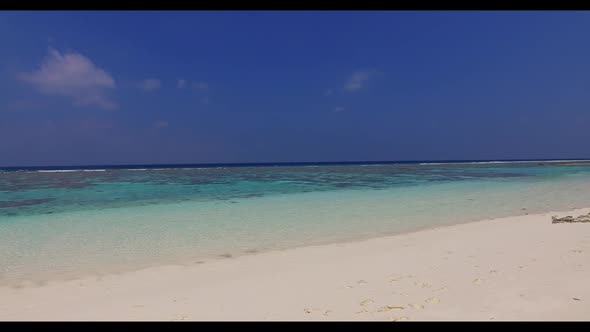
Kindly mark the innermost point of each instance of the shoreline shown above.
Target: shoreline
(208, 259)
(436, 273)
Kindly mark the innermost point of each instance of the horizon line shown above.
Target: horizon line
(286, 163)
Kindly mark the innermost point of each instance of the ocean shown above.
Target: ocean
(69, 222)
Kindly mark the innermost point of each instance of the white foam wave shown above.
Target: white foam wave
(505, 162)
(67, 170)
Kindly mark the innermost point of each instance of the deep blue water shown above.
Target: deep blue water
(215, 165)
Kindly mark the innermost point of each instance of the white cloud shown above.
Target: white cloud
(200, 85)
(338, 109)
(358, 79)
(75, 76)
(181, 83)
(160, 124)
(150, 84)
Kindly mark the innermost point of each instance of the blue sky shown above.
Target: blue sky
(84, 88)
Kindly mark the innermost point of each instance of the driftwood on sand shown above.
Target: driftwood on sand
(580, 218)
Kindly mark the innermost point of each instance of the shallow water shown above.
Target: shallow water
(65, 224)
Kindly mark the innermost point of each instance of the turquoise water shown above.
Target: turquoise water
(67, 224)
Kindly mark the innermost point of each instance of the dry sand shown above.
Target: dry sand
(517, 268)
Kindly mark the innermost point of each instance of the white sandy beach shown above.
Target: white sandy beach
(516, 268)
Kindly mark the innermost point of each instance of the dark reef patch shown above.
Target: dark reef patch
(26, 202)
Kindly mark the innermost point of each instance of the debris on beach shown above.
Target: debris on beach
(367, 302)
(388, 308)
(402, 277)
(416, 306)
(310, 310)
(571, 219)
(422, 284)
(433, 300)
